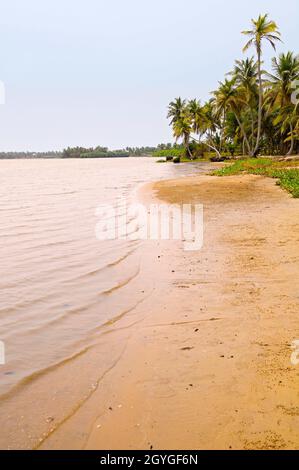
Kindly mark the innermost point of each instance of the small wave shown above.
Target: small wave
(39, 373)
(119, 285)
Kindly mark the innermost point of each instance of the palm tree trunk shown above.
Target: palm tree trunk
(252, 129)
(222, 130)
(186, 139)
(189, 152)
(292, 141)
(215, 150)
(259, 125)
(208, 145)
(244, 134)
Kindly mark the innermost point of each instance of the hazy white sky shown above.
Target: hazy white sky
(99, 72)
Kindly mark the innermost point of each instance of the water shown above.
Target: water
(59, 285)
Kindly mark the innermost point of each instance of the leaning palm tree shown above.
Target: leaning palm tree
(207, 125)
(230, 97)
(263, 29)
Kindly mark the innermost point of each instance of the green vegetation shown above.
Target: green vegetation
(162, 150)
(175, 152)
(142, 151)
(29, 155)
(286, 172)
(252, 112)
(101, 154)
(98, 152)
(152, 151)
(197, 150)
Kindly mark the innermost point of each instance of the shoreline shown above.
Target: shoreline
(208, 367)
(203, 362)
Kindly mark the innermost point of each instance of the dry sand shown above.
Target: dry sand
(206, 364)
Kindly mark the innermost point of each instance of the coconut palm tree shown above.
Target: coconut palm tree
(252, 111)
(285, 73)
(230, 97)
(175, 109)
(197, 116)
(181, 122)
(182, 128)
(263, 30)
(211, 127)
(245, 74)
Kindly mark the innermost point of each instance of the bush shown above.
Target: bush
(287, 178)
(175, 152)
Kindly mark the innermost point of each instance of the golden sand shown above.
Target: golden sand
(205, 362)
(209, 366)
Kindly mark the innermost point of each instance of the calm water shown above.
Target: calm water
(58, 283)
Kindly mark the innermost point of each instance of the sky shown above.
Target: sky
(99, 72)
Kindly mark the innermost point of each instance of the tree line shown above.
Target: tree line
(98, 152)
(253, 111)
(29, 155)
(93, 152)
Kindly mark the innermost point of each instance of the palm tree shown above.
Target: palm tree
(198, 116)
(245, 74)
(175, 109)
(252, 111)
(211, 126)
(263, 29)
(182, 128)
(286, 72)
(230, 97)
(288, 119)
(181, 122)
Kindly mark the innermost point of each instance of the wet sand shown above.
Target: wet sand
(204, 361)
(209, 365)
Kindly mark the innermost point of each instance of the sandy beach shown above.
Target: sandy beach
(149, 231)
(203, 362)
(209, 366)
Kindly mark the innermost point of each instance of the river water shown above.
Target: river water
(58, 283)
